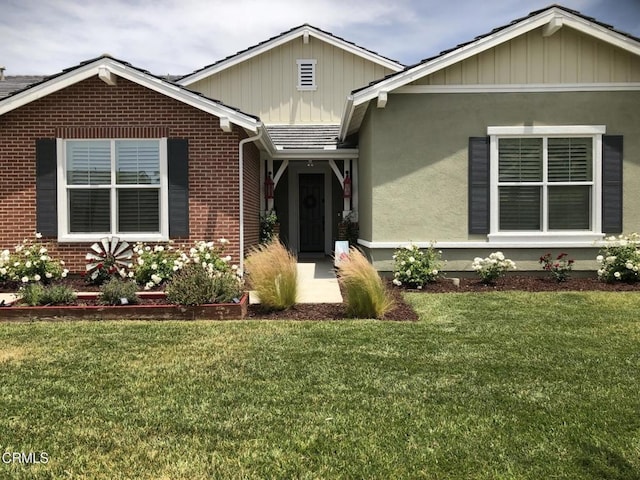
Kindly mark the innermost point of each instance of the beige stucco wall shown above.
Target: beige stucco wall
(413, 155)
(266, 85)
(567, 56)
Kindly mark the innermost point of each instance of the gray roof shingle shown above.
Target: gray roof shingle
(13, 83)
(310, 137)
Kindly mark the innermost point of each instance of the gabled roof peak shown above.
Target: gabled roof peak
(105, 67)
(550, 18)
(283, 38)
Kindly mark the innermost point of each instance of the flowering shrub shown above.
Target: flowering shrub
(154, 265)
(620, 259)
(5, 265)
(558, 268)
(492, 267)
(31, 263)
(211, 256)
(414, 267)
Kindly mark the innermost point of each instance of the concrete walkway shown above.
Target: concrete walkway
(317, 282)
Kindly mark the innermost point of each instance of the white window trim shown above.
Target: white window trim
(533, 237)
(312, 62)
(63, 221)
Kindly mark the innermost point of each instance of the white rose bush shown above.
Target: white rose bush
(491, 268)
(30, 262)
(415, 267)
(619, 259)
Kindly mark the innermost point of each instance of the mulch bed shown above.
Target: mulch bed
(402, 311)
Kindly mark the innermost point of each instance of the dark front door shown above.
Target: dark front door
(311, 212)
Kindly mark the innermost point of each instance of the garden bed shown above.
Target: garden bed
(151, 307)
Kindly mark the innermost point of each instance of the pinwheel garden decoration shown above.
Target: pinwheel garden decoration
(106, 258)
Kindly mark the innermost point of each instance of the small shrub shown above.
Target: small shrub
(268, 223)
(155, 265)
(415, 268)
(31, 263)
(620, 259)
(493, 267)
(58, 295)
(118, 292)
(31, 294)
(195, 285)
(365, 293)
(273, 274)
(36, 294)
(559, 268)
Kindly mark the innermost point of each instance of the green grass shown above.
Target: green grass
(505, 385)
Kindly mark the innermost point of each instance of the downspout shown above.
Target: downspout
(243, 142)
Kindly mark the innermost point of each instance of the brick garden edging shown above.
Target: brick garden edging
(218, 311)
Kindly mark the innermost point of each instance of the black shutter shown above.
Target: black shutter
(46, 187)
(178, 172)
(612, 183)
(479, 185)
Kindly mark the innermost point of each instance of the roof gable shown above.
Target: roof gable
(304, 31)
(549, 20)
(108, 69)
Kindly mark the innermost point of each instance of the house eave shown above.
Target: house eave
(314, 154)
(551, 20)
(304, 32)
(108, 68)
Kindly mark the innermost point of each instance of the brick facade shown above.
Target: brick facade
(93, 109)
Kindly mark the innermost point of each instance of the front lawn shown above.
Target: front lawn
(498, 385)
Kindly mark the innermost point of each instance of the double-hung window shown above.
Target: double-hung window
(113, 187)
(545, 181)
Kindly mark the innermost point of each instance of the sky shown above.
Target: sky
(43, 37)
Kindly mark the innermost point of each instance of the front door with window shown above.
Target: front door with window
(311, 208)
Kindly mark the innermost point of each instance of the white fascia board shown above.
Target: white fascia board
(184, 96)
(304, 154)
(47, 88)
(519, 88)
(347, 115)
(281, 40)
(485, 43)
(106, 66)
(491, 41)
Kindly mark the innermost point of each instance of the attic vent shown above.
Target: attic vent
(307, 75)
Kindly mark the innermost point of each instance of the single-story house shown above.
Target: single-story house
(523, 140)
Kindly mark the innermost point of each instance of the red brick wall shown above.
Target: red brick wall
(251, 196)
(92, 109)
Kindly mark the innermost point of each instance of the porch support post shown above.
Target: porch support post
(354, 187)
(263, 176)
(269, 170)
(347, 201)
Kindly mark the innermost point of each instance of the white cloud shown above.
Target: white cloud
(179, 36)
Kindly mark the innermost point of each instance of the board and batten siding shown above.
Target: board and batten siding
(266, 85)
(567, 56)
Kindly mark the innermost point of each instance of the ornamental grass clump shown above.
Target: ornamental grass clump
(272, 272)
(492, 267)
(620, 259)
(558, 268)
(414, 267)
(365, 293)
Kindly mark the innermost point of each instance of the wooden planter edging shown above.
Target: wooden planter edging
(218, 311)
